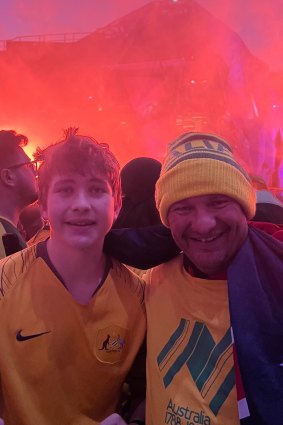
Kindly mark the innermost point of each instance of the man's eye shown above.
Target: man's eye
(220, 203)
(182, 209)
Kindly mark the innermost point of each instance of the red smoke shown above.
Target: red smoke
(137, 83)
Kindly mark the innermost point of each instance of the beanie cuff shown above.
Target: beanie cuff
(203, 177)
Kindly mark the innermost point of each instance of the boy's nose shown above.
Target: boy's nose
(81, 201)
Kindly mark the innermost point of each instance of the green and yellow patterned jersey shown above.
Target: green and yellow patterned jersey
(190, 366)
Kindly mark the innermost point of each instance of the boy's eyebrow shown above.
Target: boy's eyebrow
(97, 179)
(73, 180)
(64, 181)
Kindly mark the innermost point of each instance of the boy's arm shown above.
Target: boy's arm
(143, 247)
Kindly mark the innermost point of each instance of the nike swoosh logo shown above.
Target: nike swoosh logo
(20, 337)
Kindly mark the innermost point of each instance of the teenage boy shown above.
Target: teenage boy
(72, 319)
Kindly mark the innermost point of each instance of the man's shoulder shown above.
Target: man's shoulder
(11, 239)
(13, 266)
(169, 269)
(7, 224)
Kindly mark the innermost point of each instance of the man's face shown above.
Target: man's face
(26, 180)
(209, 230)
(80, 210)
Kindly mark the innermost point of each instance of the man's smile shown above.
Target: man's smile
(206, 239)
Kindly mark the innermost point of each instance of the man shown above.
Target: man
(18, 189)
(62, 298)
(214, 312)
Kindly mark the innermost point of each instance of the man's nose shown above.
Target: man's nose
(203, 222)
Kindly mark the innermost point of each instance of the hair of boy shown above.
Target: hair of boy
(10, 145)
(79, 154)
(202, 164)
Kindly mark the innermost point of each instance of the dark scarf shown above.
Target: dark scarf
(255, 285)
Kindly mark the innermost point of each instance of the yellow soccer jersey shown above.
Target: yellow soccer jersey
(190, 367)
(61, 362)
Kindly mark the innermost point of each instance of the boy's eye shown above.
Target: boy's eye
(97, 189)
(64, 190)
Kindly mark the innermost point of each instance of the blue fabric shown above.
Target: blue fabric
(255, 285)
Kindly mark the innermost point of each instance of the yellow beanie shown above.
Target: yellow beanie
(202, 164)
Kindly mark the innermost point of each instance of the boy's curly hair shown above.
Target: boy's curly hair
(79, 154)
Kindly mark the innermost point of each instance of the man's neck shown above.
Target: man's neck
(194, 271)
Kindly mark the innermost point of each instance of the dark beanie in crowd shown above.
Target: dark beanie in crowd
(138, 178)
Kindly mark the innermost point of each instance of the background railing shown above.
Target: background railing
(47, 38)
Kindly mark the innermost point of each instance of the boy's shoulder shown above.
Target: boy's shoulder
(40, 236)
(130, 280)
(13, 266)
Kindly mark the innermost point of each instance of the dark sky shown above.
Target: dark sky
(258, 22)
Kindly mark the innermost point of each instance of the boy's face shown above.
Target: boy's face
(80, 209)
(209, 229)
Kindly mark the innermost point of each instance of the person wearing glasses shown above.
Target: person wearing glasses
(18, 188)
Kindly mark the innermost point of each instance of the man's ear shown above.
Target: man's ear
(7, 177)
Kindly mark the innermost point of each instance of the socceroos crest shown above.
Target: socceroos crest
(111, 344)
